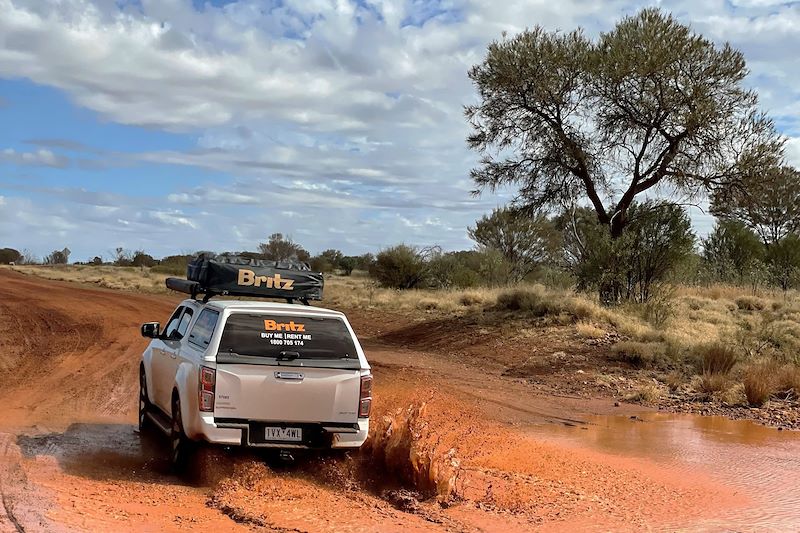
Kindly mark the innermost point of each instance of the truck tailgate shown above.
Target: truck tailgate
(287, 393)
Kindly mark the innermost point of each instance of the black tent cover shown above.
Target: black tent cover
(232, 275)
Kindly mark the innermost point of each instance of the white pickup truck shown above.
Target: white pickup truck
(253, 373)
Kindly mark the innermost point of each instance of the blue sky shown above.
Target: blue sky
(177, 125)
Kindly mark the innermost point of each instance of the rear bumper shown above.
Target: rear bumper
(237, 432)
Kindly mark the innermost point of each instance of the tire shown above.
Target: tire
(144, 403)
(181, 446)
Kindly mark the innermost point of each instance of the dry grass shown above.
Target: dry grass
(137, 279)
(674, 380)
(650, 393)
(750, 303)
(787, 381)
(717, 358)
(713, 383)
(759, 382)
(641, 354)
(587, 330)
(470, 298)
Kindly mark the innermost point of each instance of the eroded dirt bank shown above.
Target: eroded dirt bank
(451, 449)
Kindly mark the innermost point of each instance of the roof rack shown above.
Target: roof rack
(194, 289)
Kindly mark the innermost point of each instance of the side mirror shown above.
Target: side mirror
(151, 330)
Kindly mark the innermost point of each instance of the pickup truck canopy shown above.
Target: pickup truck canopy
(239, 276)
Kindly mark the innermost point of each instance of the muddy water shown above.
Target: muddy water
(763, 462)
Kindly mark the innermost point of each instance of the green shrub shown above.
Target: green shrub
(400, 267)
(450, 271)
(532, 300)
(170, 269)
(655, 244)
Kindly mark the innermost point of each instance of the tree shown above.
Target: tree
(327, 261)
(659, 240)
(122, 257)
(402, 267)
(58, 257)
(768, 204)
(333, 256)
(28, 258)
(96, 261)
(278, 248)
(9, 255)
(321, 264)
(783, 260)
(450, 270)
(347, 264)
(524, 241)
(141, 259)
(365, 261)
(650, 103)
(732, 251)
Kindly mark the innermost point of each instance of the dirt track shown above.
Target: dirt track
(70, 459)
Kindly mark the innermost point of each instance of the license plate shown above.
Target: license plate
(284, 434)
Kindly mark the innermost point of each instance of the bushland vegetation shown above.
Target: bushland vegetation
(606, 142)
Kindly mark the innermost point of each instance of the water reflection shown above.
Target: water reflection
(762, 461)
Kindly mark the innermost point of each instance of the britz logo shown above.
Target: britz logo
(248, 278)
(272, 325)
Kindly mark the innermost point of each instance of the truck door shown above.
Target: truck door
(165, 357)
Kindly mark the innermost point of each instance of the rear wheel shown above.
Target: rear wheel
(144, 402)
(181, 446)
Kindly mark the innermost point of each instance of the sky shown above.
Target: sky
(177, 125)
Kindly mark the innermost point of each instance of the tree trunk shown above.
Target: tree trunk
(611, 289)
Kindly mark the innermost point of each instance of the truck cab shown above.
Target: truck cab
(256, 374)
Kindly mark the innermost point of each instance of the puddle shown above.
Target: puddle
(763, 462)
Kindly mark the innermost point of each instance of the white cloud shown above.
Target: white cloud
(793, 151)
(41, 157)
(171, 218)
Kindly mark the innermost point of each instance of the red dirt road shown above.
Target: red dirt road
(450, 449)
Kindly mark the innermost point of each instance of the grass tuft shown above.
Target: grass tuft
(717, 358)
(533, 300)
(713, 383)
(750, 303)
(587, 330)
(641, 354)
(787, 381)
(646, 394)
(759, 381)
(470, 298)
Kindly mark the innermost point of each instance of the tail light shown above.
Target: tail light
(208, 379)
(365, 399)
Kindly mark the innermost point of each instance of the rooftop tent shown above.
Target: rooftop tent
(230, 275)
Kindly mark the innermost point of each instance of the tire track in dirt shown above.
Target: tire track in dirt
(5, 497)
(73, 349)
